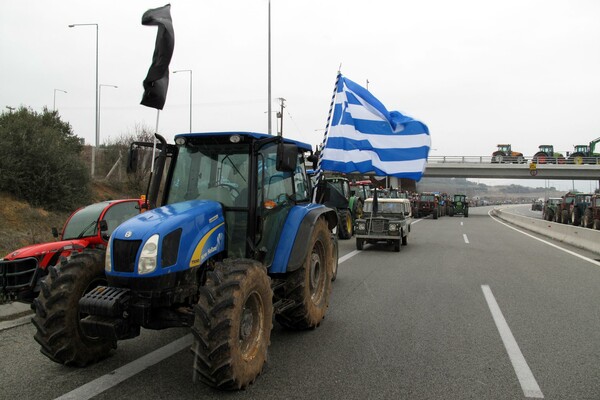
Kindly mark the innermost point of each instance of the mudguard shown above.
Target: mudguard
(292, 247)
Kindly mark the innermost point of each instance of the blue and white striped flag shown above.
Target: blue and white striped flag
(365, 137)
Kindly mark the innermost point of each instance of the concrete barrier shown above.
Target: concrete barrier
(584, 238)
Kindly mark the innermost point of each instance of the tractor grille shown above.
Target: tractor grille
(17, 274)
(378, 225)
(124, 254)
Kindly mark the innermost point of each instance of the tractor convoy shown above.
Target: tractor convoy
(581, 154)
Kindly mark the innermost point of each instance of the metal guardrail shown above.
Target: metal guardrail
(511, 160)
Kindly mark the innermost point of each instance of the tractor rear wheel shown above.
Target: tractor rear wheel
(564, 217)
(576, 217)
(310, 285)
(345, 224)
(588, 218)
(334, 260)
(597, 224)
(232, 325)
(57, 314)
(435, 214)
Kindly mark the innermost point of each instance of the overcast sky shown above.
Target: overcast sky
(477, 72)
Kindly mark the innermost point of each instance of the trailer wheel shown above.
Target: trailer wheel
(57, 310)
(232, 325)
(310, 285)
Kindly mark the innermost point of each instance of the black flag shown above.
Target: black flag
(375, 202)
(157, 80)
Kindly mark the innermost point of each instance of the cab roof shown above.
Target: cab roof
(254, 135)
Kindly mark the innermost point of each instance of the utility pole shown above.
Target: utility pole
(10, 109)
(280, 116)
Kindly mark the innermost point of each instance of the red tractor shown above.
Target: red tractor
(428, 203)
(591, 216)
(88, 227)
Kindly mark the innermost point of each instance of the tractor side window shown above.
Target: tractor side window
(119, 213)
(301, 192)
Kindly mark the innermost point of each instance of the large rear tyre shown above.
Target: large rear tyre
(310, 285)
(57, 318)
(334, 260)
(597, 224)
(564, 217)
(576, 217)
(345, 224)
(232, 325)
(588, 218)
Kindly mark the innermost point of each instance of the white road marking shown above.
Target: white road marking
(119, 375)
(528, 383)
(546, 242)
(347, 256)
(466, 238)
(461, 223)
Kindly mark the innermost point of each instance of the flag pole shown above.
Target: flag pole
(319, 173)
(154, 144)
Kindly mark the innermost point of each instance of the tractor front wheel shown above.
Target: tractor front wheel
(345, 224)
(57, 317)
(310, 285)
(232, 325)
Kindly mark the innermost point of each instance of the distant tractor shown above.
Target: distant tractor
(585, 153)
(334, 192)
(563, 210)
(459, 205)
(427, 203)
(504, 154)
(549, 212)
(547, 155)
(580, 204)
(591, 216)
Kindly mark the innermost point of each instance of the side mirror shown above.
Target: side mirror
(287, 157)
(103, 226)
(54, 232)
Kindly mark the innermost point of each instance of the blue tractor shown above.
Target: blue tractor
(230, 240)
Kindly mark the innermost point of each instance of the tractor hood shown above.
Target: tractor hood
(191, 216)
(37, 250)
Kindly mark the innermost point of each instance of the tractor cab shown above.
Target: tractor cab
(505, 148)
(547, 148)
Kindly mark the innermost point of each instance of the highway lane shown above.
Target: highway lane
(414, 324)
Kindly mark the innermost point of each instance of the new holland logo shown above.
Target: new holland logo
(128, 234)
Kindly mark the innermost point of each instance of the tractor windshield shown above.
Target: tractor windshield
(84, 222)
(427, 198)
(211, 172)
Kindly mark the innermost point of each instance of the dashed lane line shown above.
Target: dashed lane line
(528, 383)
(465, 238)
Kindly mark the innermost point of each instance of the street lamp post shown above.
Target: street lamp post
(97, 88)
(99, 98)
(54, 102)
(190, 71)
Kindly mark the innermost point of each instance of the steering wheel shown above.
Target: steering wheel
(232, 189)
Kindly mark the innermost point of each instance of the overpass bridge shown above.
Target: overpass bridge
(482, 167)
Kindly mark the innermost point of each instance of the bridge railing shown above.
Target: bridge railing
(511, 160)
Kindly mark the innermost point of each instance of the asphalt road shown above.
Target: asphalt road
(470, 309)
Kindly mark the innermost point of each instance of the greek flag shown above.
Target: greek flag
(365, 137)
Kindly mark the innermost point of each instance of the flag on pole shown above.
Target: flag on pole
(157, 80)
(365, 137)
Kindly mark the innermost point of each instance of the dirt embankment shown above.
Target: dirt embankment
(22, 225)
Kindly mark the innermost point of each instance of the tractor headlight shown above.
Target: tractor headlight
(361, 226)
(393, 227)
(107, 264)
(149, 256)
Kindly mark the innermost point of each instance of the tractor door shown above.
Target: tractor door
(280, 187)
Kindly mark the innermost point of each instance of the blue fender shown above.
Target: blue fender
(299, 224)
